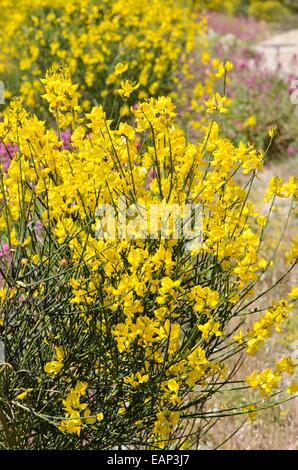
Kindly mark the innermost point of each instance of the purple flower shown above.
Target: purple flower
(66, 136)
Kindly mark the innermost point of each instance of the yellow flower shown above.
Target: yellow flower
(239, 337)
(24, 394)
(294, 293)
(262, 220)
(81, 388)
(100, 416)
(173, 385)
(120, 68)
(89, 419)
(73, 407)
(266, 381)
(263, 263)
(252, 415)
(59, 353)
(210, 328)
(55, 367)
(223, 68)
(293, 253)
(74, 283)
(285, 365)
(272, 131)
(293, 388)
(229, 66)
(61, 95)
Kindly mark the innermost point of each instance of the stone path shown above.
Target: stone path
(281, 49)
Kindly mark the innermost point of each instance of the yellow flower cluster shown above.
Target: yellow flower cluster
(166, 421)
(269, 379)
(73, 420)
(62, 96)
(261, 329)
(271, 10)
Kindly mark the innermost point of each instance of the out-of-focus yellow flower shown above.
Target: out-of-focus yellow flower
(127, 87)
(250, 410)
(55, 367)
(24, 394)
(216, 103)
(224, 68)
(293, 388)
(250, 122)
(121, 68)
(272, 132)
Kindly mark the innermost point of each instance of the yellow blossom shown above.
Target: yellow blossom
(127, 87)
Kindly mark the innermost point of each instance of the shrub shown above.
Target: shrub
(158, 38)
(125, 338)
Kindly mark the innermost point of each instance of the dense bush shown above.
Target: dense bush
(125, 338)
(132, 260)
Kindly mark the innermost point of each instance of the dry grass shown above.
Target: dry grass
(275, 428)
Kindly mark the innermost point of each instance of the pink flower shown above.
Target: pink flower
(151, 175)
(66, 140)
(5, 250)
(6, 153)
(249, 82)
(66, 137)
(291, 150)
